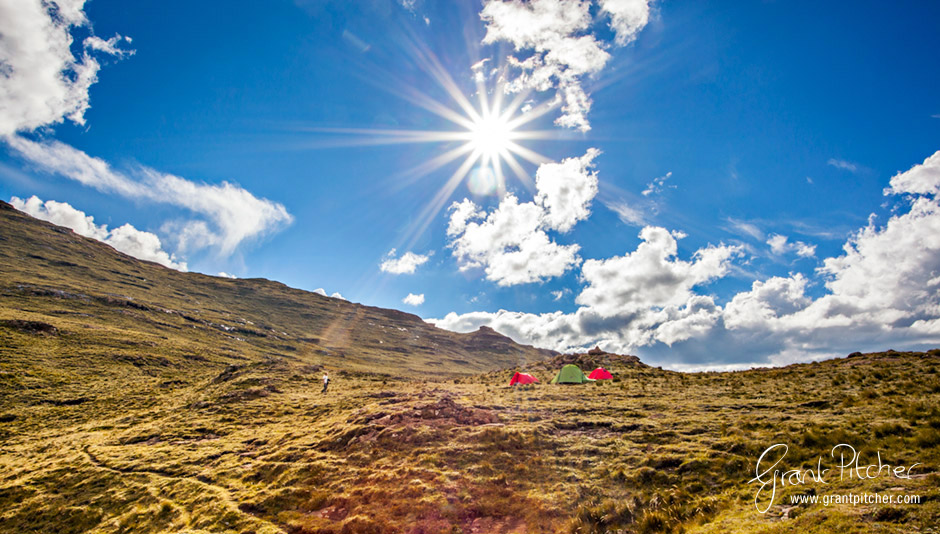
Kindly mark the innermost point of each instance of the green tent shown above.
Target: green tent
(570, 374)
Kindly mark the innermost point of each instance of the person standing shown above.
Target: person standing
(326, 381)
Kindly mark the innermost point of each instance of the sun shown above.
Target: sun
(487, 136)
(491, 136)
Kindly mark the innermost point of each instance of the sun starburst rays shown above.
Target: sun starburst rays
(487, 135)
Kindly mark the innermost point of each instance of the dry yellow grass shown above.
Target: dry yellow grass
(136, 399)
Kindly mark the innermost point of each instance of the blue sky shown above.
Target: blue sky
(266, 140)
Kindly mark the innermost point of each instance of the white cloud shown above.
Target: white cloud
(565, 190)
(627, 18)
(891, 271)
(224, 274)
(626, 213)
(536, 24)
(922, 179)
(43, 82)
(585, 328)
(843, 164)
(638, 210)
(561, 50)
(479, 70)
(642, 298)
(62, 214)
(766, 301)
(882, 292)
(746, 228)
(780, 245)
(805, 251)
(110, 46)
(558, 295)
(414, 300)
(126, 238)
(236, 215)
(508, 243)
(651, 276)
(406, 264)
(511, 242)
(657, 185)
(321, 291)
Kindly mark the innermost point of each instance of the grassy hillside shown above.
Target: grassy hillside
(138, 399)
(97, 297)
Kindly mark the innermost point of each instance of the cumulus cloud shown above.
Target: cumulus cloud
(560, 49)
(224, 274)
(642, 298)
(627, 18)
(43, 82)
(406, 264)
(805, 251)
(235, 215)
(766, 301)
(893, 272)
(321, 291)
(566, 189)
(884, 290)
(923, 179)
(651, 276)
(414, 300)
(125, 238)
(511, 242)
(508, 243)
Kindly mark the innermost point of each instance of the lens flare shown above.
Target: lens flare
(482, 181)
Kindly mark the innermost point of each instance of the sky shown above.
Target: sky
(708, 185)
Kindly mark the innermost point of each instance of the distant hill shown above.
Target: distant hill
(121, 310)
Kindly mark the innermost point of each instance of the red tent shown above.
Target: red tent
(522, 378)
(600, 374)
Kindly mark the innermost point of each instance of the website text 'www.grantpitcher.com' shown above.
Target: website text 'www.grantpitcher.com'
(855, 498)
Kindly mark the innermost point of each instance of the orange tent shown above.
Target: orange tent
(600, 374)
(522, 378)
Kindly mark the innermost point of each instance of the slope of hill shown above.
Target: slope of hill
(138, 399)
(88, 291)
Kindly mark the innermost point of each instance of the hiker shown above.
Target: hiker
(326, 381)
